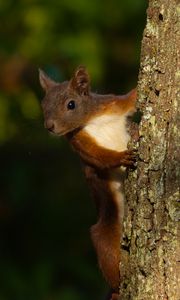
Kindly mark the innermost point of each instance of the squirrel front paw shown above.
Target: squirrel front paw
(129, 158)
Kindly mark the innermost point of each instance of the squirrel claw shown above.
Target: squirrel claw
(130, 158)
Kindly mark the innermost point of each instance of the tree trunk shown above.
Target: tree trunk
(151, 260)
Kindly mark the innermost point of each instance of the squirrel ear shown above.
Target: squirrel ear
(81, 81)
(45, 82)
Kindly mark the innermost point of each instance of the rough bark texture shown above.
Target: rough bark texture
(151, 259)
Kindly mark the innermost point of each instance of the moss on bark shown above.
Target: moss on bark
(151, 227)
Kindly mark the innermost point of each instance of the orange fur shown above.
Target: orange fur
(108, 251)
(97, 156)
(91, 127)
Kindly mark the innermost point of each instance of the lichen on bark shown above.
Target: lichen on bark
(151, 228)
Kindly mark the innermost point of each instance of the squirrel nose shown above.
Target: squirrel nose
(49, 124)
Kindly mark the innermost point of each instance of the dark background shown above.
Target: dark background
(45, 207)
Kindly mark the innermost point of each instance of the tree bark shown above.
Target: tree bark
(150, 267)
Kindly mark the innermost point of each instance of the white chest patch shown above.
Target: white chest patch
(109, 131)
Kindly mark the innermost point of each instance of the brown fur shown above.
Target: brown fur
(106, 233)
(97, 156)
(98, 161)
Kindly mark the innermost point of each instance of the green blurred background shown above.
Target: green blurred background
(45, 207)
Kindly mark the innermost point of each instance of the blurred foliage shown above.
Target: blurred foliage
(45, 208)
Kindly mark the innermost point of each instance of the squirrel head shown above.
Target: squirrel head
(66, 105)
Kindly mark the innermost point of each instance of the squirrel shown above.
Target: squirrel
(95, 126)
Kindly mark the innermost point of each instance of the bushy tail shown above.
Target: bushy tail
(106, 240)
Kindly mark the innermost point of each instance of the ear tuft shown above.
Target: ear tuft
(45, 81)
(81, 81)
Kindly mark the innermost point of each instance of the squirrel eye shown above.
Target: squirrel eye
(71, 104)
